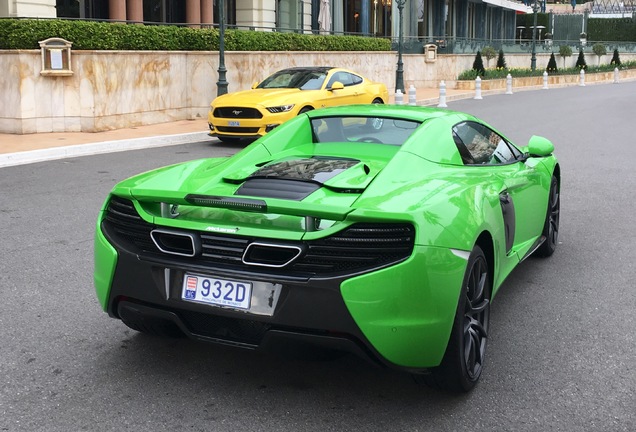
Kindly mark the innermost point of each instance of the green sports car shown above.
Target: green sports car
(381, 230)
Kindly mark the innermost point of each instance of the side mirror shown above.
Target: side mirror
(254, 85)
(336, 86)
(539, 146)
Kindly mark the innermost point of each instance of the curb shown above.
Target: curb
(33, 156)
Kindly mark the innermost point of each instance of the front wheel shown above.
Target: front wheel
(463, 360)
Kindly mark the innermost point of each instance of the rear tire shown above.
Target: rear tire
(374, 124)
(463, 360)
(551, 225)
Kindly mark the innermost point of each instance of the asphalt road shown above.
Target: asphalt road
(561, 356)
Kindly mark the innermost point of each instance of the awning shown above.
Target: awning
(509, 4)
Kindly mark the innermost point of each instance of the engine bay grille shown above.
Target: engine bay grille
(360, 247)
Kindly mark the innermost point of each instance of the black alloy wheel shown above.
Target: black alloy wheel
(476, 317)
(464, 358)
(551, 225)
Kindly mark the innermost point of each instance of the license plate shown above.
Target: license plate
(219, 292)
(233, 123)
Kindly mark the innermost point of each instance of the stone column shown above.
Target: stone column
(117, 10)
(135, 10)
(193, 12)
(207, 16)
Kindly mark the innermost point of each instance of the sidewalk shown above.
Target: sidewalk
(30, 148)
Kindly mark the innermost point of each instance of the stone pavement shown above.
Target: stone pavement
(30, 148)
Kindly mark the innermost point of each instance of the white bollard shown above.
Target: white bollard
(582, 78)
(442, 95)
(399, 97)
(477, 88)
(615, 75)
(545, 80)
(509, 84)
(412, 95)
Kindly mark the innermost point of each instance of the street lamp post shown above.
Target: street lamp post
(533, 59)
(399, 74)
(221, 85)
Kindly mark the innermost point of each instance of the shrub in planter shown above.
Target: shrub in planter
(599, 50)
(616, 60)
(478, 65)
(501, 61)
(490, 53)
(552, 66)
(565, 51)
(580, 62)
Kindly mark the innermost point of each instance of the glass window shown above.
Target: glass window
(304, 79)
(347, 79)
(287, 19)
(478, 144)
(229, 9)
(363, 130)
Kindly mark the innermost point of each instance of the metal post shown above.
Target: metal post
(399, 75)
(582, 78)
(615, 75)
(399, 97)
(221, 85)
(412, 95)
(477, 88)
(533, 59)
(442, 95)
(509, 84)
(545, 80)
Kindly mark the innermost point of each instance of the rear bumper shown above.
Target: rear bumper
(399, 316)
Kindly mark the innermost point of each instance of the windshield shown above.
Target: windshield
(304, 79)
(363, 129)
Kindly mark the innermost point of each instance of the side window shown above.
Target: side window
(355, 79)
(477, 144)
(335, 77)
(345, 78)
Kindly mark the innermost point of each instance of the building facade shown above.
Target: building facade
(424, 20)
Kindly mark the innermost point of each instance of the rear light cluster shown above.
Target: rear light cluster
(358, 248)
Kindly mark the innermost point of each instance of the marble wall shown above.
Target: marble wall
(112, 90)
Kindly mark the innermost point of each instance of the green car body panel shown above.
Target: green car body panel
(405, 310)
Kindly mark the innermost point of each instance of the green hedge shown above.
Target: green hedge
(86, 35)
(612, 29)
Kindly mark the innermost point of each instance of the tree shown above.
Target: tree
(565, 51)
(501, 61)
(552, 66)
(580, 62)
(616, 60)
(490, 53)
(478, 65)
(599, 50)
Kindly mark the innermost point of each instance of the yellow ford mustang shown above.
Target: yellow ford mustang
(285, 94)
